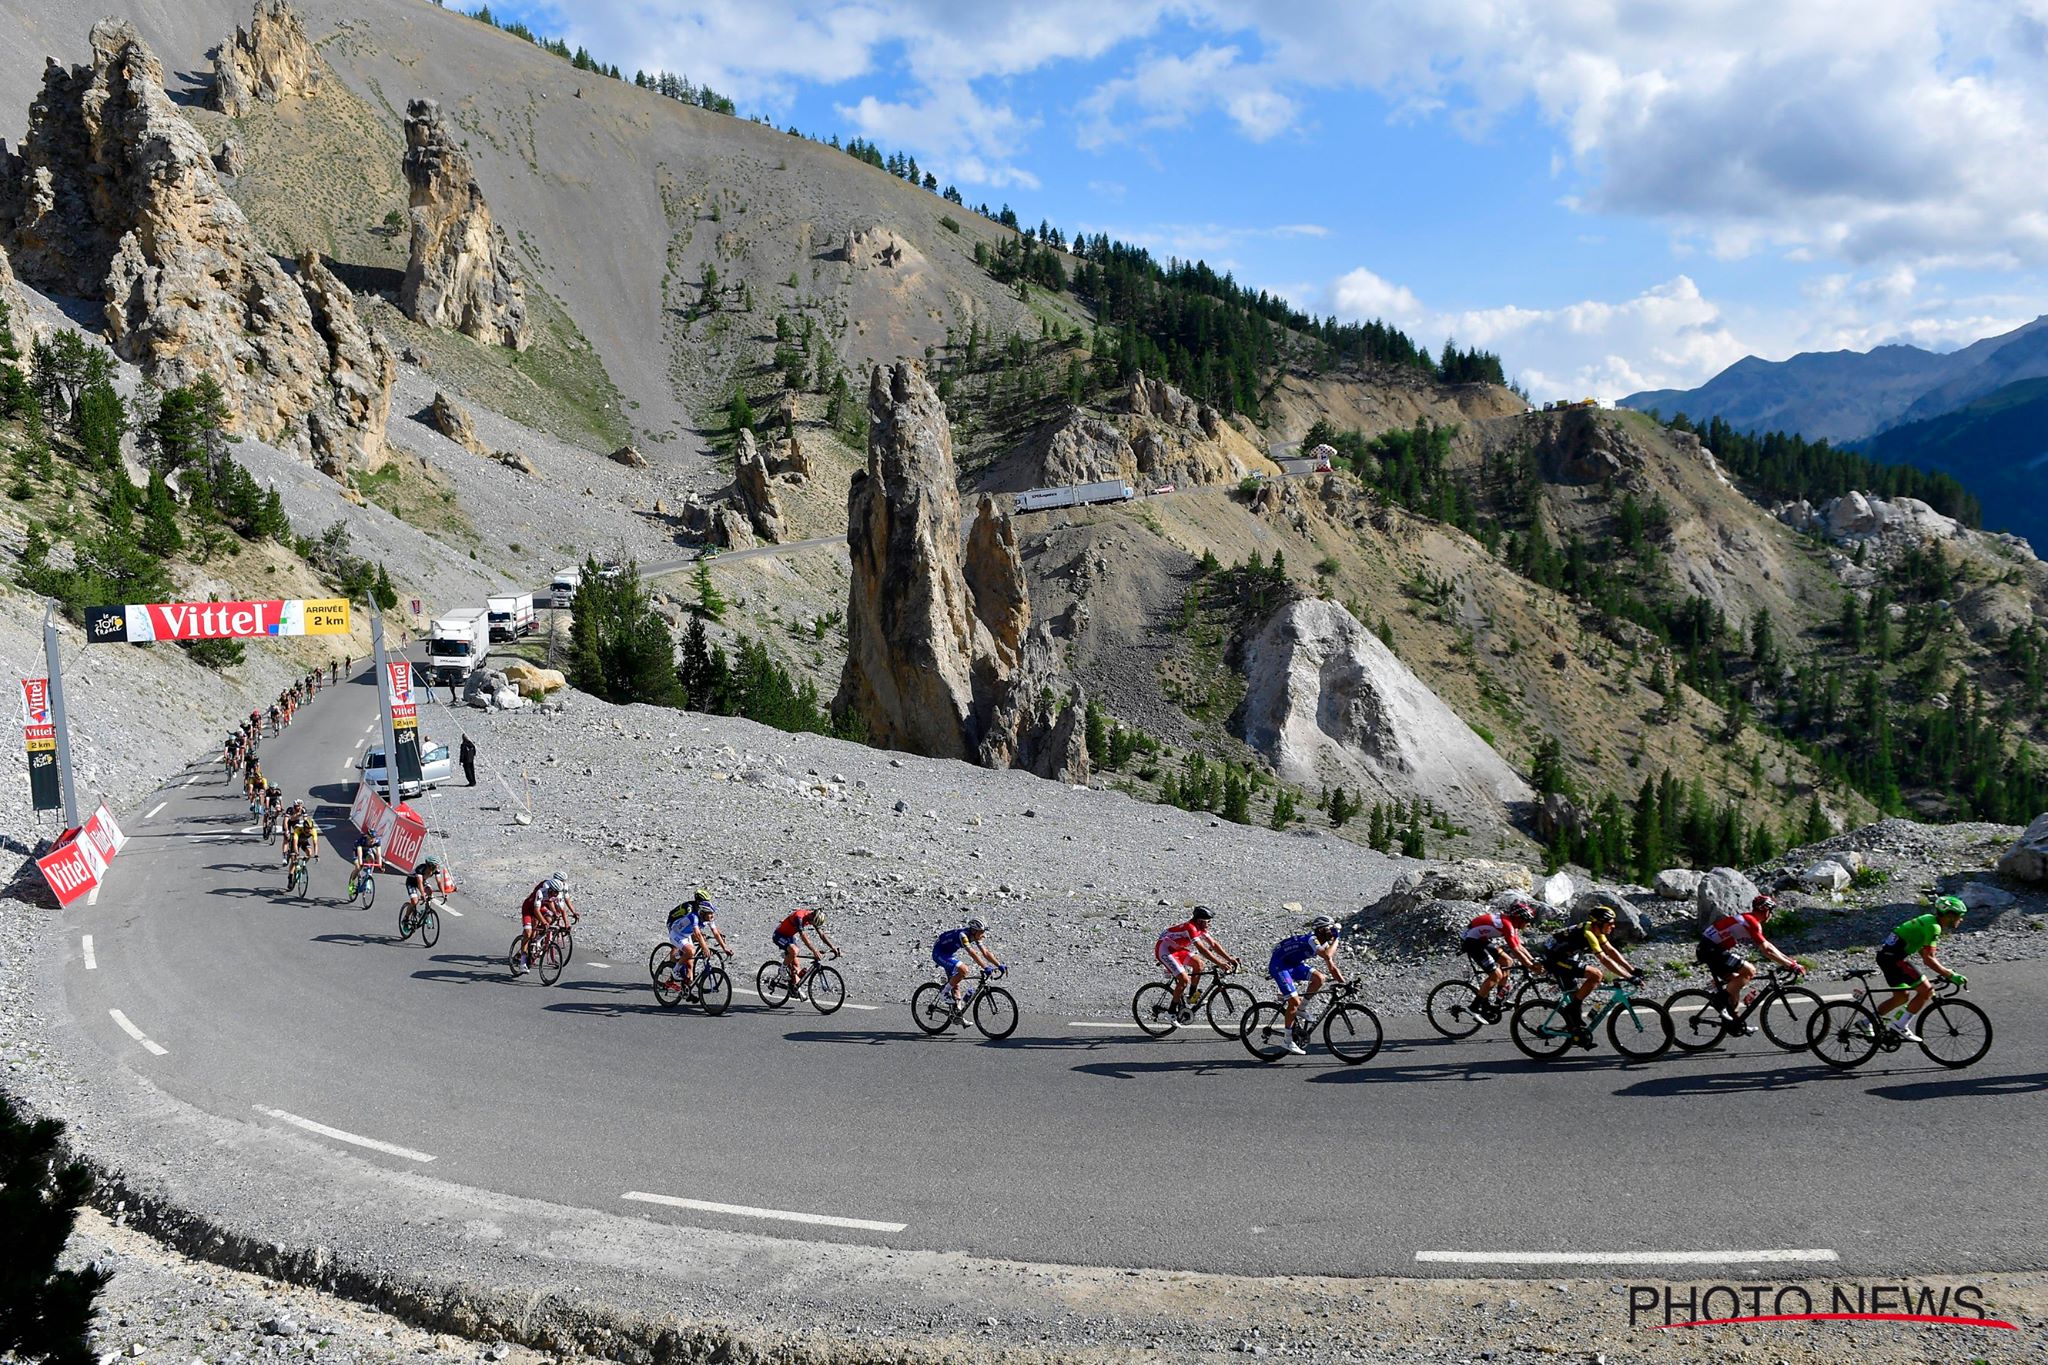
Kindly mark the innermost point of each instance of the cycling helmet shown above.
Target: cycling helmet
(817, 919)
(1201, 914)
(1763, 907)
(1322, 925)
(1521, 912)
(1601, 914)
(1950, 905)
(426, 865)
(560, 879)
(975, 926)
(706, 908)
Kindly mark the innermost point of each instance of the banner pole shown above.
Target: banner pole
(384, 706)
(57, 714)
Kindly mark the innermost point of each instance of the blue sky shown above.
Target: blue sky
(1613, 196)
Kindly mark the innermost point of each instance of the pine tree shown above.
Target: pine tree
(620, 649)
(710, 601)
(45, 1313)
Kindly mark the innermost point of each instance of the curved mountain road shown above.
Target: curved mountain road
(1077, 1141)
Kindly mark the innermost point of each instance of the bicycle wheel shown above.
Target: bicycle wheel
(1954, 1033)
(1228, 1005)
(826, 989)
(1152, 1008)
(408, 920)
(366, 890)
(771, 983)
(714, 990)
(1352, 1033)
(929, 1008)
(566, 940)
(430, 927)
(995, 1013)
(1537, 1028)
(1452, 1008)
(300, 879)
(512, 956)
(668, 990)
(1787, 1016)
(1534, 988)
(1640, 1030)
(1696, 1021)
(1265, 1032)
(554, 955)
(1843, 1035)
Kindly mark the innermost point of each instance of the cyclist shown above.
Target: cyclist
(1492, 941)
(1903, 975)
(301, 837)
(273, 806)
(423, 882)
(1294, 964)
(1720, 952)
(1182, 949)
(547, 902)
(686, 926)
(797, 926)
(273, 717)
(1566, 954)
(370, 852)
(967, 938)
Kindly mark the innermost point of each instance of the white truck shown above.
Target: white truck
(511, 615)
(1074, 495)
(562, 591)
(457, 645)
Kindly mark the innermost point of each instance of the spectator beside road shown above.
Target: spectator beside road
(467, 754)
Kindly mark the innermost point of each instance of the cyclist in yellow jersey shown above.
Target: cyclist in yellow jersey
(1567, 955)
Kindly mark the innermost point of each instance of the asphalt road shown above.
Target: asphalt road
(1087, 1145)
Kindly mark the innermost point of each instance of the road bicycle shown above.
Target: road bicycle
(548, 951)
(1953, 1032)
(823, 986)
(994, 1009)
(362, 886)
(269, 825)
(1638, 1028)
(1223, 1002)
(423, 916)
(1455, 1010)
(297, 875)
(1785, 1008)
(1351, 1031)
(710, 985)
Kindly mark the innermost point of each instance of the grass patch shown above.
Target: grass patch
(420, 496)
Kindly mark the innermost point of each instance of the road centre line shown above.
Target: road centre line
(128, 1027)
(1773, 1257)
(154, 809)
(339, 1135)
(91, 963)
(777, 1215)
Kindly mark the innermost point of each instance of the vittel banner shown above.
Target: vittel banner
(147, 622)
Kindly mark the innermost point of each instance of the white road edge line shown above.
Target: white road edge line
(778, 1215)
(1778, 1256)
(154, 1048)
(154, 809)
(1097, 1023)
(354, 1139)
(91, 963)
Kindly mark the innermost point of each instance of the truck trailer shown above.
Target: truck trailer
(1074, 495)
(511, 615)
(457, 645)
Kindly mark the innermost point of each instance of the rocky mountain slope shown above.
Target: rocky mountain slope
(1996, 446)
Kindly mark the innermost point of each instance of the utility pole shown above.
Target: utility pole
(57, 714)
(384, 704)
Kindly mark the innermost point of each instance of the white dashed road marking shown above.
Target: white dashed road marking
(148, 1043)
(844, 1004)
(190, 780)
(1624, 1257)
(91, 963)
(353, 1139)
(154, 809)
(778, 1215)
(1093, 1023)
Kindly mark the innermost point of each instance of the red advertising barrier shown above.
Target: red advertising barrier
(403, 833)
(78, 863)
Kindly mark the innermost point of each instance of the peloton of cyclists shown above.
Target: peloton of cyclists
(1309, 960)
(1895, 958)
(1720, 952)
(1182, 949)
(966, 939)
(797, 926)
(1566, 956)
(547, 903)
(1493, 942)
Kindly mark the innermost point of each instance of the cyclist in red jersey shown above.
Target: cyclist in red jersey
(1180, 951)
(1720, 952)
(797, 925)
(1491, 941)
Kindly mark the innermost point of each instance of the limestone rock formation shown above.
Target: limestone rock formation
(630, 457)
(16, 329)
(755, 491)
(938, 662)
(794, 463)
(1078, 447)
(452, 420)
(2027, 859)
(877, 247)
(228, 158)
(112, 196)
(460, 273)
(269, 60)
(1327, 702)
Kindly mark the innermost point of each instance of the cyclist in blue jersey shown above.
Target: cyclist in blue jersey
(687, 925)
(1294, 965)
(966, 939)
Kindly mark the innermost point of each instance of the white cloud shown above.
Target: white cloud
(967, 136)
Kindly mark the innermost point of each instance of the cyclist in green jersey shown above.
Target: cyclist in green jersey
(1903, 975)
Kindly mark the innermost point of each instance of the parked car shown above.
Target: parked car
(437, 765)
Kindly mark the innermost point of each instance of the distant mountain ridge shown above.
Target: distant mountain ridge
(1848, 396)
(1996, 446)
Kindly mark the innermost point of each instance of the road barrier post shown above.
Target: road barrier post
(59, 717)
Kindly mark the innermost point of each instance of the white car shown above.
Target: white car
(437, 765)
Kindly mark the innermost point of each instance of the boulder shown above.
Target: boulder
(1724, 891)
(482, 685)
(1476, 881)
(1326, 702)
(630, 457)
(531, 680)
(1982, 896)
(112, 197)
(266, 62)
(1559, 815)
(2027, 859)
(512, 459)
(459, 271)
(1558, 890)
(877, 247)
(228, 158)
(1677, 884)
(1850, 516)
(1630, 925)
(1826, 876)
(452, 420)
